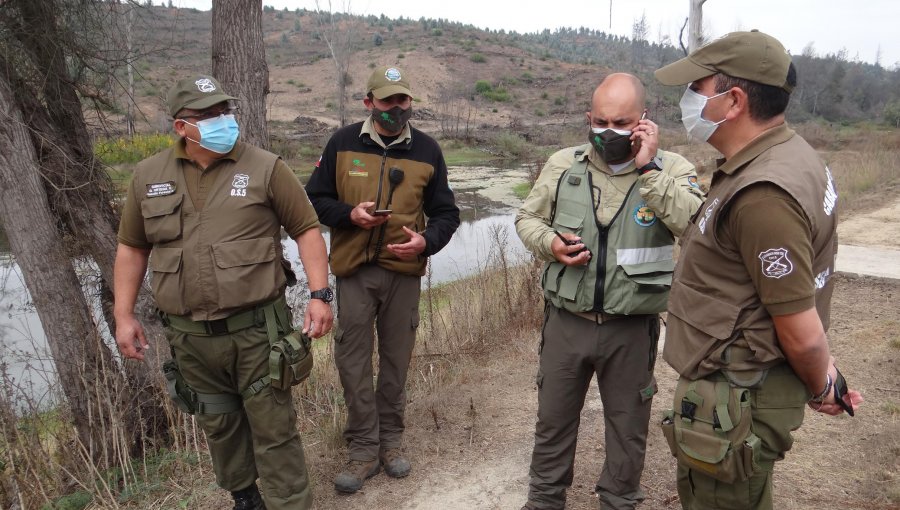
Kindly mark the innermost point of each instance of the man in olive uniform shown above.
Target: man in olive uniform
(374, 185)
(207, 215)
(750, 303)
(603, 217)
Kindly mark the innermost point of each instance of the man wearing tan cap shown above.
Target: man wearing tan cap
(206, 216)
(374, 185)
(750, 303)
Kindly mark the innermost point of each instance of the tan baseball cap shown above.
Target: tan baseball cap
(197, 93)
(752, 55)
(387, 81)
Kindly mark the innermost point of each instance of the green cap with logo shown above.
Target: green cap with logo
(197, 93)
(387, 81)
(752, 56)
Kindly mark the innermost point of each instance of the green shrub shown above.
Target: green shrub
(437, 32)
(115, 151)
(482, 86)
(478, 58)
(527, 77)
(76, 501)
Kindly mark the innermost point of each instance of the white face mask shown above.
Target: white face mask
(692, 105)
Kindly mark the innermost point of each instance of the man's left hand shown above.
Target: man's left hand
(410, 249)
(319, 318)
(648, 133)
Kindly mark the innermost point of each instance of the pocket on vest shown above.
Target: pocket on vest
(246, 272)
(564, 280)
(651, 276)
(167, 281)
(718, 318)
(162, 218)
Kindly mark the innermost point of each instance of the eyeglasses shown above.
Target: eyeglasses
(840, 389)
(211, 114)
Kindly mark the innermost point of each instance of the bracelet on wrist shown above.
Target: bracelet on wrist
(820, 398)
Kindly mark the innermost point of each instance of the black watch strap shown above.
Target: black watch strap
(326, 294)
(654, 164)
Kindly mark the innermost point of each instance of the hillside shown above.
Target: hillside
(528, 79)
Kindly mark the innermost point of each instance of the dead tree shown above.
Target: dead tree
(339, 38)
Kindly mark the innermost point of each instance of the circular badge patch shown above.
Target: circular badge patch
(693, 182)
(392, 74)
(644, 216)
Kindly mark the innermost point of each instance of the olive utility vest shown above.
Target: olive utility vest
(716, 320)
(630, 270)
(211, 263)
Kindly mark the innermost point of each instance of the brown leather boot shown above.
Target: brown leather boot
(351, 479)
(395, 464)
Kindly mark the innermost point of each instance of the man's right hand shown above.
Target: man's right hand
(130, 337)
(360, 216)
(563, 251)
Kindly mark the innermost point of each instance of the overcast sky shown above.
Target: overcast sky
(860, 27)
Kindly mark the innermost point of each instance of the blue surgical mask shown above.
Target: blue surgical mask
(218, 134)
(692, 105)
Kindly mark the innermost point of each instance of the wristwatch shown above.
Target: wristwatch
(820, 398)
(652, 165)
(326, 294)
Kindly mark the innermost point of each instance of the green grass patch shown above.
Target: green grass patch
(465, 155)
(892, 408)
(522, 189)
(895, 343)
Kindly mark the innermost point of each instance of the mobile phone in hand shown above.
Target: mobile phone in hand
(382, 212)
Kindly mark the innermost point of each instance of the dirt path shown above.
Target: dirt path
(470, 440)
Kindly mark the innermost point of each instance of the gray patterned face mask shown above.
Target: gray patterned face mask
(692, 105)
(613, 145)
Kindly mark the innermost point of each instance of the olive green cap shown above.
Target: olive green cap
(752, 55)
(387, 81)
(197, 93)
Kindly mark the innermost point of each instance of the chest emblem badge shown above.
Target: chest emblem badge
(239, 185)
(644, 216)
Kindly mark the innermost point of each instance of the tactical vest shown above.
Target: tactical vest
(630, 270)
(211, 263)
(716, 320)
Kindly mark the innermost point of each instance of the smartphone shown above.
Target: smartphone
(382, 212)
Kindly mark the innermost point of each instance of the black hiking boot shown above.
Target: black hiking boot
(248, 499)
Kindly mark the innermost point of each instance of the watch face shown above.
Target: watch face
(326, 294)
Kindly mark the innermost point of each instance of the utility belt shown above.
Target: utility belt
(709, 430)
(290, 357)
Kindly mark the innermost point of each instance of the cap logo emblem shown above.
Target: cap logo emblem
(205, 85)
(392, 74)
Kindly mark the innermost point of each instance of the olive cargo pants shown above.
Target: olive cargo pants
(777, 407)
(621, 353)
(260, 440)
(373, 299)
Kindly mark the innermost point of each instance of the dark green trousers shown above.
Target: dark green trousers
(778, 407)
(375, 299)
(259, 440)
(621, 354)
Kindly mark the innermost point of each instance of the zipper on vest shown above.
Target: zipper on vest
(599, 293)
(383, 226)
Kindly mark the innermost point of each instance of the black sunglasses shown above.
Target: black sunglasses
(212, 114)
(840, 389)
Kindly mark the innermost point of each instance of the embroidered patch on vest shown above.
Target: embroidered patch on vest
(706, 214)
(831, 195)
(775, 263)
(358, 172)
(160, 189)
(239, 185)
(644, 216)
(692, 180)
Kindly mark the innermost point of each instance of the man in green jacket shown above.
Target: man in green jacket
(603, 217)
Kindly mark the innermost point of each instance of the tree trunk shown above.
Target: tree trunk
(695, 34)
(239, 63)
(83, 362)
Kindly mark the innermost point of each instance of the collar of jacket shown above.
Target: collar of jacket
(370, 136)
(765, 141)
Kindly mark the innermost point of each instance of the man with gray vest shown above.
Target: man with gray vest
(750, 303)
(206, 216)
(603, 217)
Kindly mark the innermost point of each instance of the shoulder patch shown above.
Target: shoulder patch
(775, 263)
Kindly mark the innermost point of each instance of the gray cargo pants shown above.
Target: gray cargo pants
(622, 353)
(373, 299)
